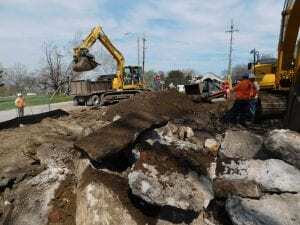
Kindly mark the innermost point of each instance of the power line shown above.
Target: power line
(231, 31)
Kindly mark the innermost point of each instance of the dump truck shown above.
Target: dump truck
(98, 92)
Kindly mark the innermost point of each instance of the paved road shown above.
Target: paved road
(10, 114)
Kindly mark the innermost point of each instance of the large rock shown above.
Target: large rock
(285, 145)
(117, 136)
(244, 188)
(159, 180)
(102, 199)
(269, 210)
(31, 199)
(193, 152)
(240, 145)
(273, 175)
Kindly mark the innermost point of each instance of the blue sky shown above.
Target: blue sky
(180, 34)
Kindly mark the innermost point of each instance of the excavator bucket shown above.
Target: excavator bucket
(84, 63)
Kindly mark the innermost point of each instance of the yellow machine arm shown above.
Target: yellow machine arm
(289, 56)
(85, 61)
(288, 39)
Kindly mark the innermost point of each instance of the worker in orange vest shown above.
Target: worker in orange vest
(20, 104)
(226, 88)
(240, 112)
(254, 95)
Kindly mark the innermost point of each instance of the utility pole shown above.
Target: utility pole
(144, 54)
(255, 55)
(229, 72)
(255, 58)
(138, 49)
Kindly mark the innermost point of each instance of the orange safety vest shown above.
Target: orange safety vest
(244, 90)
(254, 91)
(20, 102)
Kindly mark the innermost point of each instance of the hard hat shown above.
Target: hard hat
(19, 94)
(245, 75)
(251, 76)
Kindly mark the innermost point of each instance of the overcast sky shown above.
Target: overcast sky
(180, 33)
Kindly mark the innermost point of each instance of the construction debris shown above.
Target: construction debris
(284, 145)
(148, 160)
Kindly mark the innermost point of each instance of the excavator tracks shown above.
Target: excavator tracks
(273, 104)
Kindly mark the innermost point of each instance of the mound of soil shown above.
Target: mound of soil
(170, 104)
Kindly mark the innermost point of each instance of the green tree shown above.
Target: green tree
(149, 79)
(176, 77)
(189, 74)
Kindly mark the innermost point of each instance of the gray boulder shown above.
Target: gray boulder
(124, 131)
(244, 188)
(160, 180)
(240, 144)
(31, 199)
(269, 210)
(192, 152)
(102, 199)
(272, 175)
(285, 145)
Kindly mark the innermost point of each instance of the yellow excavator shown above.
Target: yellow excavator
(126, 82)
(280, 80)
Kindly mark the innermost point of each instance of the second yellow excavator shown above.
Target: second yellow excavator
(280, 77)
(126, 82)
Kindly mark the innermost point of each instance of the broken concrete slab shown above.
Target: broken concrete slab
(285, 145)
(272, 175)
(240, 144)
(270, 209)
(103, 198)
(160, 180)
(32, 198)
(199, 158)
(244, 188)
(212, 145)
(117, 136)
(185, 133)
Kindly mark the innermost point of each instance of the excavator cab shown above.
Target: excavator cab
(132, 76)
(84, 61)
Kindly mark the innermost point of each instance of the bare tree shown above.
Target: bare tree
(56, 73)
(53, 61)
(15, 76)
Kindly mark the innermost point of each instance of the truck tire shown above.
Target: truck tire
(95, 100)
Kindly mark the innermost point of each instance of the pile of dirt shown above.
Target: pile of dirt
(168, 103)
(174, 106)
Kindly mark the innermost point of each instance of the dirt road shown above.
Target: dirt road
(10, 114)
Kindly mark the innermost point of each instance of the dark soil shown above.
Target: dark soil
(172, 105)
(64, 204)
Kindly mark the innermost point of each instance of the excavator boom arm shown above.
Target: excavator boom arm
(288, 34)
(82, 51)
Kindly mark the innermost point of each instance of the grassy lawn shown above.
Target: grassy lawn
(9, 102)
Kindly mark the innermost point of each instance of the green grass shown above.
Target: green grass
(9, 102)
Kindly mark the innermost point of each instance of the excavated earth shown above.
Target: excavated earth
(157, 158)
